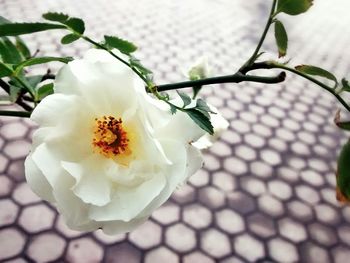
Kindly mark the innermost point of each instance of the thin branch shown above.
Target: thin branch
(23, 114)
(271, 65)
(235, 78)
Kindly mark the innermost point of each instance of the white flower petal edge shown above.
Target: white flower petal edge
(106, 153)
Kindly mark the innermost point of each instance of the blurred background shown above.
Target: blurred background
(266, 192)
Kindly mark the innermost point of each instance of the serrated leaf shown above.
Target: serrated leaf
(134, 62)
(67, 39)
(5, 70)
(16, 29)
(293, 7)
(343, 174)
(316, 71)
(201, 120)
(122, 45)
(185, 98)
(57, 17)
(45, 90)
(23, 48)
(40, 60)
(202, 105)
(9, 52)
(281, 38)
(76, 24)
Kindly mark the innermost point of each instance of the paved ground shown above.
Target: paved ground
(266, 192)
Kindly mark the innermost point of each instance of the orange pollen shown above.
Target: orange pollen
(109, 136)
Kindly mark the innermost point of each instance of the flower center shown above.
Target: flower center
(109, 137)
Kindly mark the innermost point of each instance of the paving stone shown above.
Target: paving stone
(5, 185)
(229, 221)
(292, 230)
(270, 205)
(341, 254)
(310, 252)
(180, 237)
(322, 234)
(167, 213)
(147, 235)
(215, 243)
(11, 243)
(24, 195)
(122, 253)
(224, 181)
(248, 247)
(197, 257)
(36, 218)
(261, 225)
(211, 197)
(241, 202)
(84, 250)
(161, 254)
(282, 251)
(8, 212)
(46, 247)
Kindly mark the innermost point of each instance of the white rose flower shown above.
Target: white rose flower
(106, 153)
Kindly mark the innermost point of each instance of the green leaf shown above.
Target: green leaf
(15, 29)
(293, 7)
(3, 20)
(34, 80)
(67, 39)
(201, 120)
(343, 174)
(9, 51)
(40, 60)
(136, 63)
(14, 93)
(281, 38)
(45, 90)
(316, 71)
(22, 48)
(196, 90)
(76, 24)
(346, 85)
(185, 98)
(172, 108)
(5, 70)
(57, 17)
(202, 105)
(122, 45)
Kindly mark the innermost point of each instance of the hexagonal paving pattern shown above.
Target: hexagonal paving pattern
(266, 191)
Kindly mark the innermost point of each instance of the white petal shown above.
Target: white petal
(118, 227)
(108, 88)
(128, 202)
(52, 109)
(37, 180)
(181, 128)
(92, 186)
(75, 212)
(175, 173)
(48, 163)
